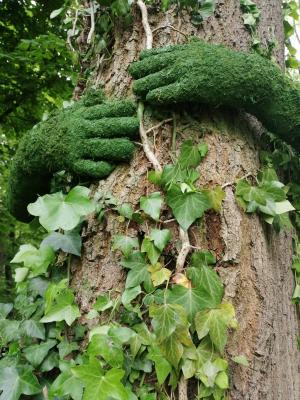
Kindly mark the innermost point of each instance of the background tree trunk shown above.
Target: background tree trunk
(253, 261)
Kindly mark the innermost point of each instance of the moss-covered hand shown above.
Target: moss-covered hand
(88, 139)
(218, 76)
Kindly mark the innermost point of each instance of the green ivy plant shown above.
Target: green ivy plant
(164, 324)
(268, 198)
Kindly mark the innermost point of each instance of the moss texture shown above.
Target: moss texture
(217, 76)
(88, 139)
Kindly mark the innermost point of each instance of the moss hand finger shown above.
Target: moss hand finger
(94, 169)
(150, 65)
(142, 86)
(162, 50)
(118, 108)
(116, 150)
(111, 127)
(169, 94)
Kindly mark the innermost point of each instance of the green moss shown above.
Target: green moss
(88, 139)
(217, 76)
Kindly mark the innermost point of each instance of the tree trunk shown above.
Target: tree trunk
(253, 261)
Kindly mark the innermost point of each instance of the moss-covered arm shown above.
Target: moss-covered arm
(88, 139)
(215, 75)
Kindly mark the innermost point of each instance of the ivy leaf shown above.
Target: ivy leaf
(191, 299)
(187, 207)
(188, 368)
(50, 362)
(126, 210)
(5, 309)
(103, 303)
(66, 384)
(151, 205)
(204, 352)
(52, 293)
(207, 8)
(33, 329)
(209, 372)
(249, 19)
(200, 258)
(15, 381)
(166, 318)
(208, 281)
(172, 349)
(36, 353)
(242, 360)
(215, 196)
(98, 384)
(162, 366)
(65, 348)
(121, 334)
(149, 248)
(9, 330)
(215, 322)
(64, 310)
(21, 274)
(129, 295)
(70, 242)
(107, 348)
(222, 380)
(160, 276)
(160, 237)
(59, 211)
(191, 155)
(37, 260)
(125, 243)
(68, 313)
(138, 269)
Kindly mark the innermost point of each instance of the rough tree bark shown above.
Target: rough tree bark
(253, 261)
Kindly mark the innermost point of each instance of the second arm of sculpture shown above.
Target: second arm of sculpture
(218, 76)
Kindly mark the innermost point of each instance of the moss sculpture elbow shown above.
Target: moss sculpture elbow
(88, 139)
(217, 76)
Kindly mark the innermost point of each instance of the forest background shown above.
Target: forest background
(47, 53)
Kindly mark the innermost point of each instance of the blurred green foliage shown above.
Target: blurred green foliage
(37, 74)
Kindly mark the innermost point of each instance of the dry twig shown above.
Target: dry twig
(92, 30)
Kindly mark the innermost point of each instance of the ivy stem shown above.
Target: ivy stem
(182, 385)
(174, 134)
(185, 248)
(69, 267)
(145, 22)
(145, 142)
(234, 182)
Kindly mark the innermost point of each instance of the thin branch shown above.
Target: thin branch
(92, 30)
(146, 145)
(185, 248)
(165, 121)
(182, 389)
(146, 26)
(173, 28)
(233, 183)
(45, 393)
(72, 32)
